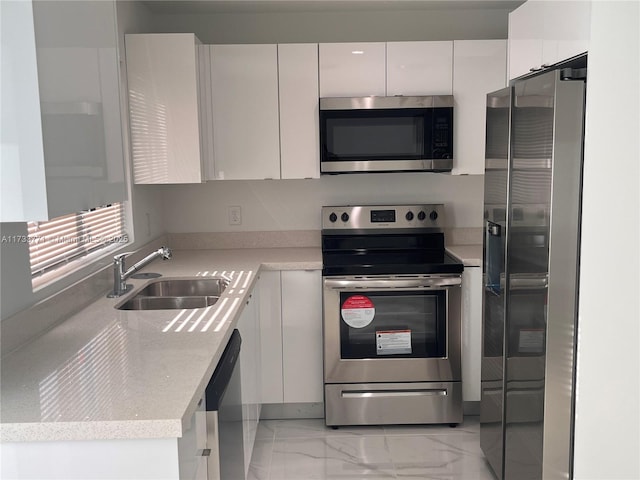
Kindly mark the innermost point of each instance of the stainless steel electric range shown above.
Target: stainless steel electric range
(391, 298)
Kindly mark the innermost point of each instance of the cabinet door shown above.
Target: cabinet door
(23, 188)
(302, 336)
(61, 127)
(191, 463)
(352, 69)
(479, 68)
(526, 24)
(206, 111)
(79, 85)
(162, 72)
(271, 338)
(298, 86)
(246, 137)
(249, 372)
(566, 30)
(419, 68)
(471, 333)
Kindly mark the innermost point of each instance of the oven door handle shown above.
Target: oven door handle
(436, 283)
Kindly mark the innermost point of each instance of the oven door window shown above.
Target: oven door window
(408, 324)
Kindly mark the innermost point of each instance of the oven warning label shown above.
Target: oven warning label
(393, 342)
(358, 311)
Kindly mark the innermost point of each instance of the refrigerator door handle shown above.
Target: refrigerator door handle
(532, 282)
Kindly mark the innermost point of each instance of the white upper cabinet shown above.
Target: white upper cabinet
(64, 154)
(479, 67)
(164, 106)
(542, 33)
(206, 111)
(298, 101)
(23, 186)
(394, 68)
(566, 30)
(246, 138)
(352, 69)
(419, 68)
(525, 38)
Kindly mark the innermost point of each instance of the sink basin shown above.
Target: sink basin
(167, 303)
(184, 288)
(176, 294)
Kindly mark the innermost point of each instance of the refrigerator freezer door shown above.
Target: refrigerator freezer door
(498, 115)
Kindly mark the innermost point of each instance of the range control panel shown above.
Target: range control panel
(383, 216)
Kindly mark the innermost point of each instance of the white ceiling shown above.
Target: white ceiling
(275, 6)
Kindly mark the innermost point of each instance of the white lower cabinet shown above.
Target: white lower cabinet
(471, 333)
(192, 463)
(302, 336)
(291, 336)
(249, 373)
(271, 337)
(119, 459)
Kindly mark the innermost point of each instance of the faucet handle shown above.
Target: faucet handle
(122, 255)
(166, 253)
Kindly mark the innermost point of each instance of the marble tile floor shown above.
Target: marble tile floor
(307, 450)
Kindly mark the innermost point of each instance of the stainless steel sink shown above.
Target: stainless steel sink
(167, 303)
(184, 288)
(176, 294)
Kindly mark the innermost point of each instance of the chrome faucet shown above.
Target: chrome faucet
(120, 275)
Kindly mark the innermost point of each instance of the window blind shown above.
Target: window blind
(68, 238)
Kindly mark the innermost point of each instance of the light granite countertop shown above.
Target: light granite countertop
(114, 374)
(469, 255)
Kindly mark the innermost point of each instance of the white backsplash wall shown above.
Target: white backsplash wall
(269, 205)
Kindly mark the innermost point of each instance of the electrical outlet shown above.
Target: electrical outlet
(235, 215)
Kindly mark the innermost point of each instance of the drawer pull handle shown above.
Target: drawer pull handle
(392, 393)
(206, 452)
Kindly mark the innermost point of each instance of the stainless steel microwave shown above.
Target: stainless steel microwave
(386, 134)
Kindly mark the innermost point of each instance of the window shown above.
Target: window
(59, 245)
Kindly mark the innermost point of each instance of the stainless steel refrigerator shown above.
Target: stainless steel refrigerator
(533, 180)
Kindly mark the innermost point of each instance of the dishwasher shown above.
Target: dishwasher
(224, 416)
